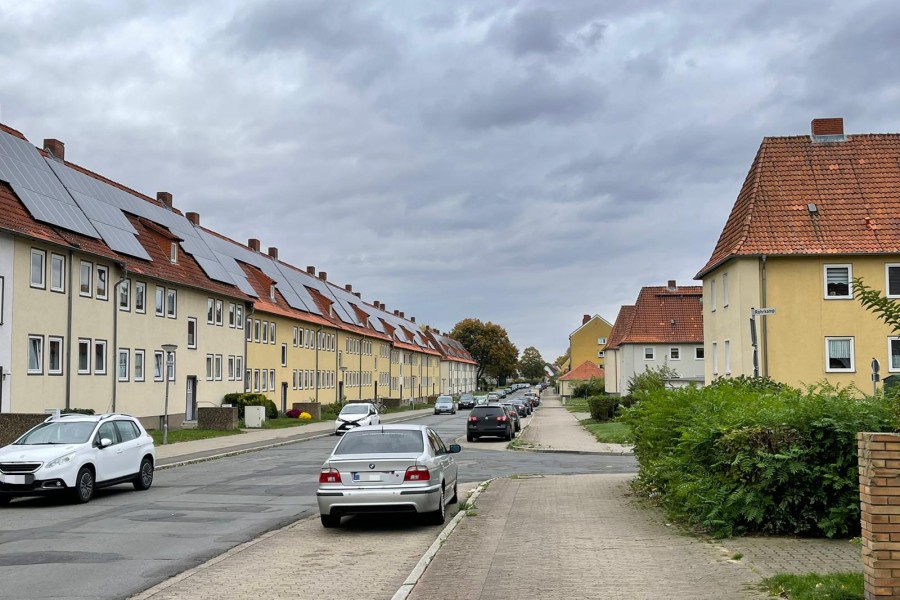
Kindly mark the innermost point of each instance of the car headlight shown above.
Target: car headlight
(62, 460)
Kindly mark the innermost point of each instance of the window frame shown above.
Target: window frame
(90, 279)
(42, 283)
(725, 290)
(140, 297)
(272, 332)
(727, 350)
(192, 337)
(102, 370)
(232, 312)
(159, 301)
(210, 311)
(674, 353)
(218, 367)
(712, 295)
(284, 354)
(239, 316)
(887, 279)
(220, 310)
(59, 370)
(126, 352)
(142, 375)
(701, 351)
(825, 268)
(159, 360)
(828, 367)
(61, 288)
(88, 355)
(105, 281)
(171, 303)
(652, 353)
(891, 368)
(715, 355)
(272, 380)
(265, 332)
(209, 367)
(124, 295)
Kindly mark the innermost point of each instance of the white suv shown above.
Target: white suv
(75, 454)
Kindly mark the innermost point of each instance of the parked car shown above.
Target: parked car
(388, 469)
(75, 454)
(489, 420)
(445, 404)
(479, 400)
(356, 414)
(532, 398)
(466, 401)
(514, 413)
(520, 407)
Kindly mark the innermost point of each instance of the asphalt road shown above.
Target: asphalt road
(124, 541)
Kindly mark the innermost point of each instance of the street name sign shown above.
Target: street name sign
(762, 311)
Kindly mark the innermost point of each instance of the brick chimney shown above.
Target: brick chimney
(377, 304)
(348, 287)
(323, 275)
(834, 126)
(56, 148)
(412, 319)
(357, 294)
(396, 313)
(273, 252)
(193, 218)
(672, 286)
(402, 316)
(165, 198)
(585, 319)
(311, 270)
(254, 244)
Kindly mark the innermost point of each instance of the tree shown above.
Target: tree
(887, 310)
(559, 362)
(489, 345)
(531, 365)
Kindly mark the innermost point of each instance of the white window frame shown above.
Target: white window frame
(209, 367)
(60, 342)
(272, 333)
(173, 253)
(126, 366)
(652, 353)
(891, 367)
(159, 301)
(218, 363)
(89, 282)
(238, 367)
(192, 339)
(712, 295)
(38, 277)
(171, 303)
(140, 297)
(248, 380)
(159, 365)
(124, 299)
(887, 280)
(140, 365)
(699, 350)
(104, 294)
(231, 364)
(100, 369)
(272, 380)
(61, 261)
(256, 330)
(88, 347)
(727, 349)
(265, 332)
(239, 317)
(170, 366)
(715, 357)
(231, 314)
(849, 268)
(724, 290)
(210, 311)
(674, 353)
(37, 352)
(828, 368)
(220, 310)
(284, 354)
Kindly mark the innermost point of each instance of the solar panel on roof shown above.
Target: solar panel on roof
(18, 149)
(121, 241)
(98, 211)
(50, 210)
(213, 269)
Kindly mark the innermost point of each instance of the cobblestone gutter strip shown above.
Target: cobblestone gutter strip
(417, 572)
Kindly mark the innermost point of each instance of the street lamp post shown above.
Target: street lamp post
(168, 349)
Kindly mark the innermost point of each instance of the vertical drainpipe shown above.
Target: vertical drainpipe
(765, 339)
(68, 332)
(359, 382)
(115, 349)
(316, 378)
(250, 308)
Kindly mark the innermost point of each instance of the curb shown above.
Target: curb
(587, 452)
(407, 587)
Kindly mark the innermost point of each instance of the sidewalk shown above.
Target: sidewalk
(555, 429)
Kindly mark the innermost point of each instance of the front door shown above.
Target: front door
(190, 409)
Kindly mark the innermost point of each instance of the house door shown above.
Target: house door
(284, 397)
(190, 409)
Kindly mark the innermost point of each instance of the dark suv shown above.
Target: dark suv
(491, 420)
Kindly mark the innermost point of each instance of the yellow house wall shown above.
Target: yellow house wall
(730, 322)
(583, 343)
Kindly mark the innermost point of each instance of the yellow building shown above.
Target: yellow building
(814, 212)
(588, 342)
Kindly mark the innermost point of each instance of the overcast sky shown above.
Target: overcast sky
(520, 162)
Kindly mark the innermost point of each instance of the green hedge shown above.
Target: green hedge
(747, 455)
(242, 400)
(602, 408)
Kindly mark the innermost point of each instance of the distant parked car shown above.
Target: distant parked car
(490, 420)
(444, 404)
(357, 414)
(479, 400)
(388, 469)
(520, 406)
(493, 396)
(514, 413)
(466, 401)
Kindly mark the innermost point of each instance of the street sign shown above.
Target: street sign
(756, 312)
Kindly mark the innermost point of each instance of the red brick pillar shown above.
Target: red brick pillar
(879, 495)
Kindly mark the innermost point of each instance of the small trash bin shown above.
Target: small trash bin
(254, 416)
(891, 383)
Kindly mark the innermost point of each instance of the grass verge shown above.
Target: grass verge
(813, 586)
(189, 435)
(577, 405)
(609, 432)
(283, 422)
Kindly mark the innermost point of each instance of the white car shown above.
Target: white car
(357, 414)
(75, 454)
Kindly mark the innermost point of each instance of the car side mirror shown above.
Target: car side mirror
(105, 443)
(454, 448)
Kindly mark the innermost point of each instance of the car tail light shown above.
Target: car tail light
(502, 418)
(473, 419)
(417, 474)
(330, 476)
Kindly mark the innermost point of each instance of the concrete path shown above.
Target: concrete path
(555, 429)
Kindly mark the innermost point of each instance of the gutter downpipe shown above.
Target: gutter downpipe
(115, 303)
(68, 332)
(765, 340)
(248, 323)
(318, 331)
(359, 382)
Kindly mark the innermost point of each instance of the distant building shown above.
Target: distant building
(582, 374)
(588, 342)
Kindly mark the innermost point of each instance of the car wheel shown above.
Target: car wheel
(455, 497)
(440, 515)
(330, 521)
(84, 486)
(4, 500)
(509, 435)
(144, 479)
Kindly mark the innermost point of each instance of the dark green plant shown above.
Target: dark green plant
(886, 309)
(650, 380)
(595, 386)
(602, 408)
(243, 400)
(77, 411)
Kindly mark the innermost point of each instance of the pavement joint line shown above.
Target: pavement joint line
(407, 587)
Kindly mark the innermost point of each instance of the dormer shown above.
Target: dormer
(173, 253)
(272, 293)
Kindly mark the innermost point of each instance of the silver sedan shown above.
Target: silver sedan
(388, 469)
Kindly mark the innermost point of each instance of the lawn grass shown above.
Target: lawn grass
(189, 435)
(283, 422)
(577, 405)
(609, 432)
(831, 586)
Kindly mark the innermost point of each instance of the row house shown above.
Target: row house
(663, 328)
(588, 342)
(458, 370)
(815, 212)
(114, 301)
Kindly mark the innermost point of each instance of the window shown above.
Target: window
(296, 336)
(54, 355)
(231, 314)
(698, 353)
(157, 365)
(87, 279)
(35, 354)
(218, 367)
(837, 281)
(102, 282)
(140, 297)
(239, 316)
(255, 380)
(238, 367)
(57, 273)
(272, 332)
(712, 295)
(894, 354)
(231, 371)
(601, 341)
(247, 377)
(674, 353)
(256, 330)
(601, 354)
(209, 367)
(284, 355)
(649, 353)
(265, 381)
(272, 379)
(38, 270)
(728, 357)
(724, 290)
(249, 330)
(139, 365)
(892, 280)
(173, 255)
(99, 357)
(210, 311)
(839, 354)
(160, 301)
(171, 304)
(125, 294)
(84, 356)
(272, 293)
(124, 353)
(171, 366)
(265, 332)
(192, 332)
(219, 304)
(715, 356)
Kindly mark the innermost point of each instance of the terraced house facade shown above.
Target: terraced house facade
(96, 278)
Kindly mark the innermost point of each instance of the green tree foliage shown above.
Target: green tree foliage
(489, 345)
(750, 455)
(650, 380)
(531, 364)
(595, 386)
(561, 360)
(886, 309)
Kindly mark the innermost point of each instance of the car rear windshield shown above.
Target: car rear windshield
(487, 411)
(58, 433)
(389, 441)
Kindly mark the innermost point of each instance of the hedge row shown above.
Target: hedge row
(243, 400)
(745, 455)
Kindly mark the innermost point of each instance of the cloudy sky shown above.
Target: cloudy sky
(523, 162)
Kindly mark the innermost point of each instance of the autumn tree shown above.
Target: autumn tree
(531, 365)
(489, 345)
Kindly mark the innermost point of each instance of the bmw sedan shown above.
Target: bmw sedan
(388, 469)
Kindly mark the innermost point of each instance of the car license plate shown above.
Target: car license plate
(366, 476)
(14, 479)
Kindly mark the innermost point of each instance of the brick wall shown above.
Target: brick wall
(217, 417)
(313, 408)
(879, 494)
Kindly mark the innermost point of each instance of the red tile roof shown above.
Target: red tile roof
(661, 315)
(584, 372)
(854, 185)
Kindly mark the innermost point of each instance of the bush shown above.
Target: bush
(330, 411)
(594, 387)
(243, 400)
(294, 413)
(77, 411)
(650, 380)
(602, 408)
(305, 416)
(752, 455)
